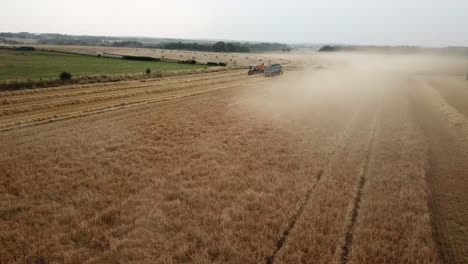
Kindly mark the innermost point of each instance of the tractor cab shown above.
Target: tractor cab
(253, 70)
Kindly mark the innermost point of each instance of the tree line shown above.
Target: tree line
(220, 46)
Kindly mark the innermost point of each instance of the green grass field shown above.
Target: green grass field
(23, 65)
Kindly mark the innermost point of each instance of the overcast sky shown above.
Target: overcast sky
(382, 22)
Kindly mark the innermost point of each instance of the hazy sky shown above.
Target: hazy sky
(395, 22)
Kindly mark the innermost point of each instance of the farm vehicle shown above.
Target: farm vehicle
(269, 70)
(273, 70)
(257, 69)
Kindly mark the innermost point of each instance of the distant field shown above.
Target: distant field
(21, 65)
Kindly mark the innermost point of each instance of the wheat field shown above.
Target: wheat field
(360, 160)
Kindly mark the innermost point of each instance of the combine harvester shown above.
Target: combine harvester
(269, 71)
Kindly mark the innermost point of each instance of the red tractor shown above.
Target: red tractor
(256, 69)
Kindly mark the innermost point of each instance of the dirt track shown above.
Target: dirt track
(360, 162)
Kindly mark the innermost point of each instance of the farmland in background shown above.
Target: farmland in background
(230, 59)
(23, 65)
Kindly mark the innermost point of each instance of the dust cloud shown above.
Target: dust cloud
(339, 79)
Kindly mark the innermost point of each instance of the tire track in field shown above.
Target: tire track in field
(348, 237)
(292, 222)
(302, 203)
(446, 130)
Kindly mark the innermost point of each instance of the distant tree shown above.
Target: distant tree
(65, 76)
(264, 47)
(148, 71)
(130, 44)
(327, 48)
(231, 47)
(185, 46)
(244, 49)
(219, 46)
